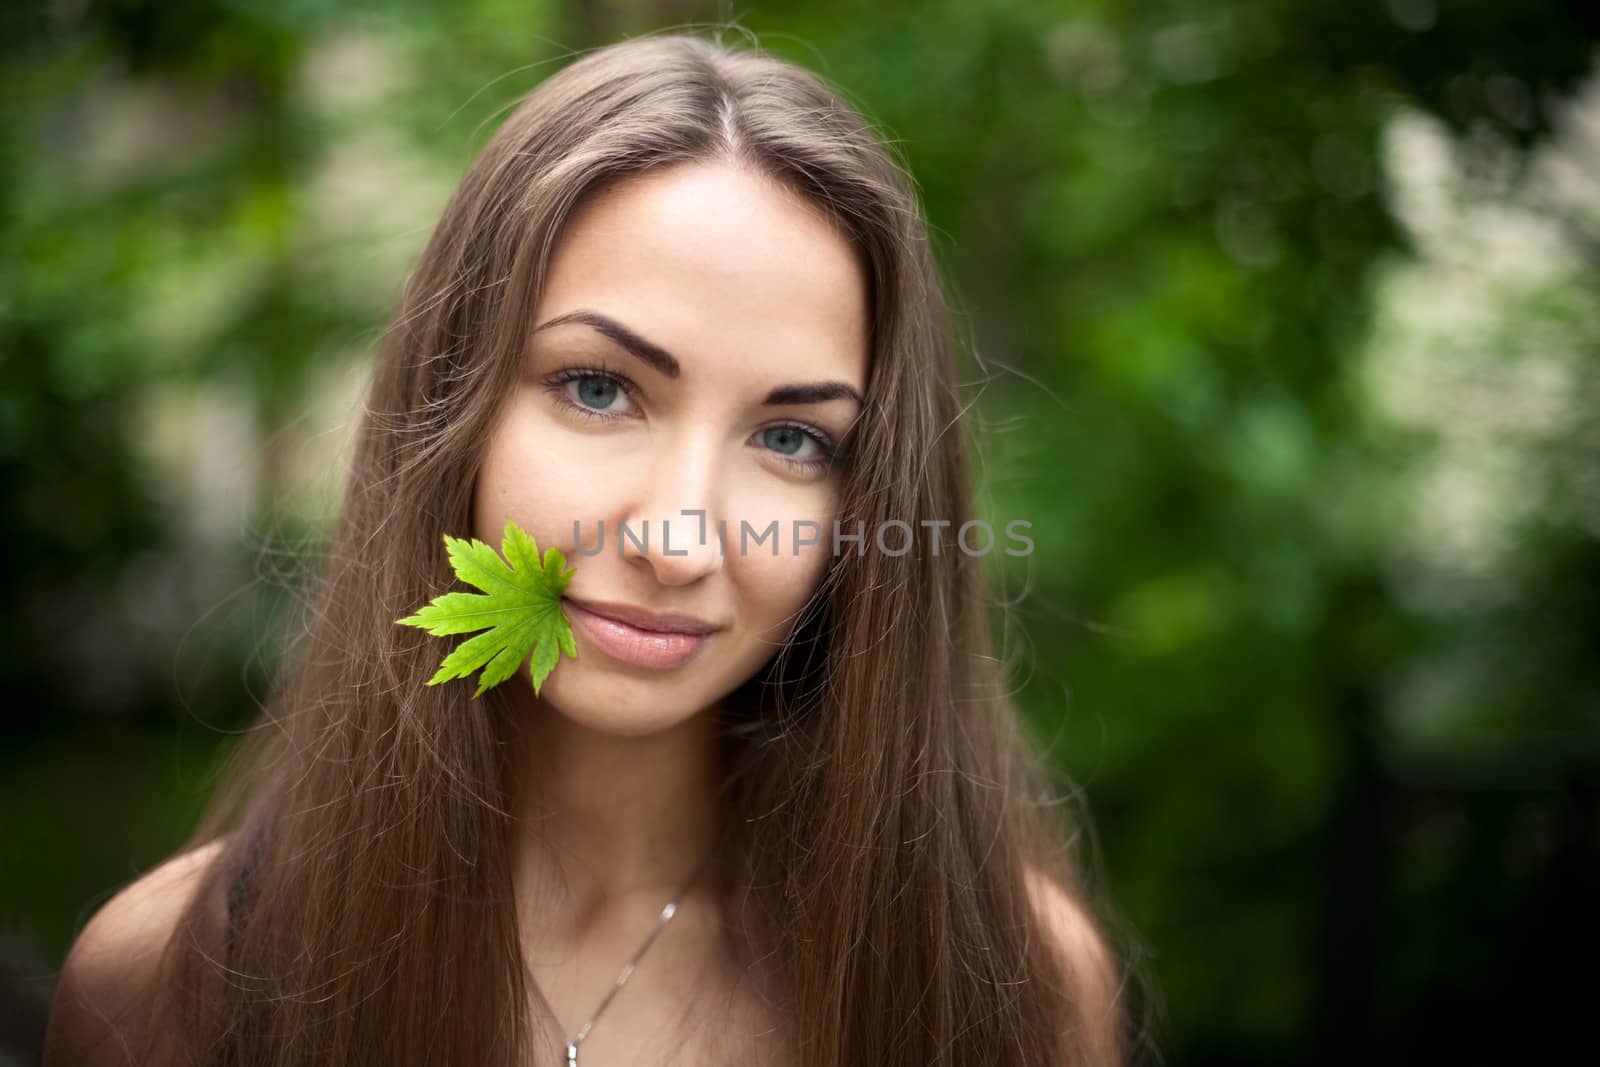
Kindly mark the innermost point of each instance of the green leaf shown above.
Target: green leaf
(519, 610)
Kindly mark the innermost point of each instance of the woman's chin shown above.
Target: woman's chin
(625, 708)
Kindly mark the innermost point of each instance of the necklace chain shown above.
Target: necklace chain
(667, 912)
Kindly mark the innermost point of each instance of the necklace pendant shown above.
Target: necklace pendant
(572, 1054)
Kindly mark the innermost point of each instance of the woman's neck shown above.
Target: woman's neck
(609, 824)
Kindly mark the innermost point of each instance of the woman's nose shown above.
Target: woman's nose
(674, 530)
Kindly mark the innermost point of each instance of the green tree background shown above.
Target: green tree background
(1288, 323)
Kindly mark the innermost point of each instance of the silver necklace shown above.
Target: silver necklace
(572, 1041)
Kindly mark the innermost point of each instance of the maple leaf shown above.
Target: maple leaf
(520, 606)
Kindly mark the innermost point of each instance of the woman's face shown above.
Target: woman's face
(678, 308)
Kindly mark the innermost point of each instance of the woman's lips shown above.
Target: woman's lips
(642, 648)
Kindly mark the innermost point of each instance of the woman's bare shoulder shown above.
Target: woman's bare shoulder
(103, 1009)
(1097, 977)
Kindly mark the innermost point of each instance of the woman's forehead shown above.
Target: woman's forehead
(712, 262)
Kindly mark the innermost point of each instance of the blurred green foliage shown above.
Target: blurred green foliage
(1288, 333)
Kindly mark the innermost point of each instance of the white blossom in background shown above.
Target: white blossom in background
(1485, 355)
(1487, 346)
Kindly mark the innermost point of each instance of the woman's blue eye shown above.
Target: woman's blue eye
(597, 392)
(788, 441)
(785, 439)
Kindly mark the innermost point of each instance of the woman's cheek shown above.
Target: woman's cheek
(800, 513)
(777, 588)
(547, 478)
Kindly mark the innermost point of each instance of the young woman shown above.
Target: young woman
(779, 809)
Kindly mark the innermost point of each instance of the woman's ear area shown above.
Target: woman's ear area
(1094, 973)
(106, 1011)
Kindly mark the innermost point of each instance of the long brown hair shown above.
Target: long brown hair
(887, 801)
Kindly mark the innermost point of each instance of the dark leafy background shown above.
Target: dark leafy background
(1289, 330)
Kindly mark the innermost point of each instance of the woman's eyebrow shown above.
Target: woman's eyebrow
(814, 393)
(664, 362)
(632, 343)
